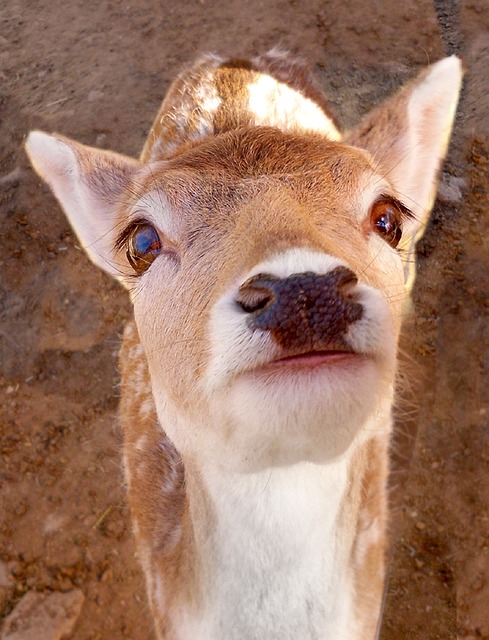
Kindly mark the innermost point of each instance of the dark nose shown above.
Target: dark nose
(304, 311)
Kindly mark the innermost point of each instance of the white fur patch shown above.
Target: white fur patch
(374, 332)
(159, 594)
(274, 103)
(142, 443)
(127, 473)
(147, 408)
(154, 207)
(275, 567)
(209, 102)
(370, 534)
(194, 115)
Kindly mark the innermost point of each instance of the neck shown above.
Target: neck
(272, 550)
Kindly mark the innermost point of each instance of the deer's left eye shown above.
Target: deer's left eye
(386, 220)
(143, 246)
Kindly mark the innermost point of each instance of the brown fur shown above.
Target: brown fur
(156, 487)
(184, 115)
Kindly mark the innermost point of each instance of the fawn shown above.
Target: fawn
(265, 255)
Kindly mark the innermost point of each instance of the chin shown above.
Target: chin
(308, 408)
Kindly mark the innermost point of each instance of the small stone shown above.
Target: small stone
(419, 563)
(106, 576)
(95, 95)
(420, 525)
(450, 190)
(11, 178)
(478, 583)
(101, 140)
(44, 616)
(6, 579)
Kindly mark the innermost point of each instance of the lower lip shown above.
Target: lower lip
(312, 360)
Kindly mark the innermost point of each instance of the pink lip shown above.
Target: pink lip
(313, 359)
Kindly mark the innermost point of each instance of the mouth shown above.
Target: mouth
(314, 358)
(308, 360)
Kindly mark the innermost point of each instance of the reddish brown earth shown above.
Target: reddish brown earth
(96, 71)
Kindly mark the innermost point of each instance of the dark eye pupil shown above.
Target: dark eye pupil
(387, 223)
(146, 240)
(144, 246)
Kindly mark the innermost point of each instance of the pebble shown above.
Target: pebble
(95, 95)
(6, 579)
(450, 189)
(44, 616)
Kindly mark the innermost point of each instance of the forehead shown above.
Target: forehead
(238, 166)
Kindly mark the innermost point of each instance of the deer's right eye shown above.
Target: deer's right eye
(143, 246)
(386, 219)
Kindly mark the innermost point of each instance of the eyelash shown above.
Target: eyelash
(123, 237)
(386, 217)
(151, 245)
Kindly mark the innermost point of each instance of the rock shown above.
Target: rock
(101, 140)
(44, 616)
(7, 585)
(6, 579)
(95, 95)
(451, 189)
(11, 178)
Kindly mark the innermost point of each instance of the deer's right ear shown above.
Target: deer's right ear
(408, 135)
(89, 184)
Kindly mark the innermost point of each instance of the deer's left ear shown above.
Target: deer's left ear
(408, 137)
(89, 184)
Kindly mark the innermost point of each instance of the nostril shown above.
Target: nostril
(346, 283)
(255, 295)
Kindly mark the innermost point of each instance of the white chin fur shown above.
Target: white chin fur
(315, 416)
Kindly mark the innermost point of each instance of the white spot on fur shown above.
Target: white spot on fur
(293, 261)
(139, 378)
(370, 535)
(276, 104)
(194, 117)
(207, 97)
(127, 473)
(147, 408)
(154, 207)
(142, 443)
(159, 594)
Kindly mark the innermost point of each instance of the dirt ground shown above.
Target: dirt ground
(97, 71)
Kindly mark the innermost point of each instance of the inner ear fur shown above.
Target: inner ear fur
(90, 185)
(408, 136)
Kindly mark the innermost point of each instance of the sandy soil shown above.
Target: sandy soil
(96, 71)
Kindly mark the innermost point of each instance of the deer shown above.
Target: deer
(268, 257)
